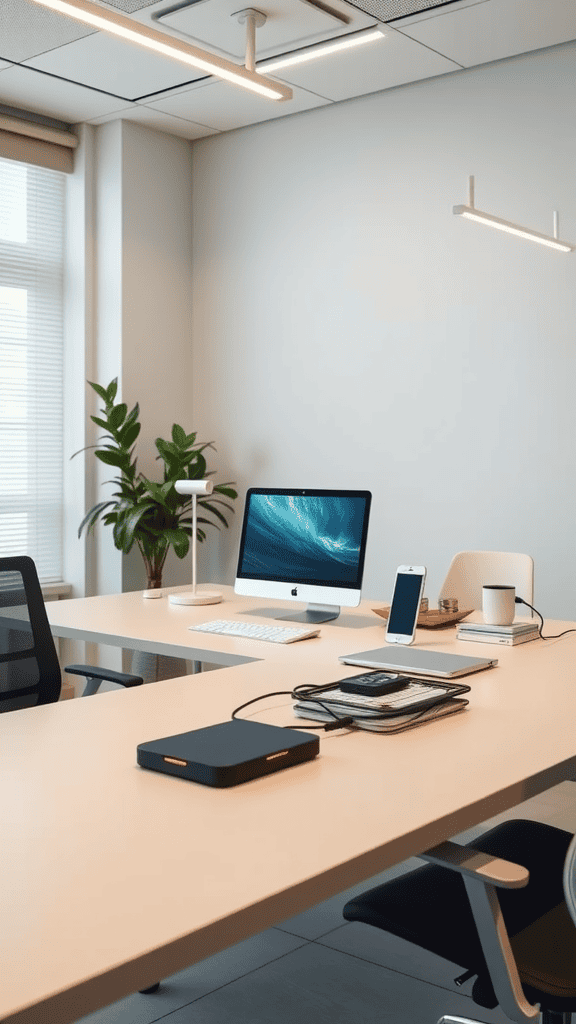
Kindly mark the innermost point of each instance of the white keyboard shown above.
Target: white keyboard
(254, 631)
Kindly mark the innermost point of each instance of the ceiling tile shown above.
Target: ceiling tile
(213, 24)
(27, 29)
(495, 29)
(424, 14)
(223, 106)
(42, 94)
(393, 10)
(394, 60)
(160, 120)
(4, 64)
(127, 6)
(103, 62)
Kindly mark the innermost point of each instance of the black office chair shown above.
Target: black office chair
(519, 945)
(29, 668)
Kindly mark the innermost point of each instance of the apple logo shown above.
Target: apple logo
(294, 592)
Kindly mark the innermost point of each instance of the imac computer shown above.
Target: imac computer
(304, 545)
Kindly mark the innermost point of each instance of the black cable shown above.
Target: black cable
(304, 690)
(555, 636)
(339, 722)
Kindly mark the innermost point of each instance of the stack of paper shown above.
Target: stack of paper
(397, 724)
(419, 701)
(482, 632)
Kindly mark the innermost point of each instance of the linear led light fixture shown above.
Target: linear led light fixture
(471, 213)
(370, 35)
(168, 46)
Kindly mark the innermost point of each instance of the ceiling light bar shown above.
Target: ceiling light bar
(370, 35)
(471, 213)
(168, 46)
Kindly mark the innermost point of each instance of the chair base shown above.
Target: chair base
(547, 1017)
(451, 1019)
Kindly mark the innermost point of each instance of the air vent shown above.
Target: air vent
(128, 6)
(393, 10)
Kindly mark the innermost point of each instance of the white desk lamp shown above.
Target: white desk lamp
(194, 488)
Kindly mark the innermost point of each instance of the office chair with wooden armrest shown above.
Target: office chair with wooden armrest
(502, 908)
(29, 669)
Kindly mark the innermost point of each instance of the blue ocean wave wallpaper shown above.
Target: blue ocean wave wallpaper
(303, 538)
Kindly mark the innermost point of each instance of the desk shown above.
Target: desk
(119, 876)
(158, 627)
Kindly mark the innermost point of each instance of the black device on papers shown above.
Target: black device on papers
(418, 701)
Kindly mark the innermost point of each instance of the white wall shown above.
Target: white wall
(350, 331)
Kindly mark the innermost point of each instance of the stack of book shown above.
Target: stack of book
(481, 632)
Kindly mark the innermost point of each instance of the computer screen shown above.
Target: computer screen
(304, 545)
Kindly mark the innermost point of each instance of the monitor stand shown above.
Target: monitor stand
(313, 613)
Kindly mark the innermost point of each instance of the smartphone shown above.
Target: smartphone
(403, 615)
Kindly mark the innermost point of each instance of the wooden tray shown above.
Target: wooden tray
(432, 619)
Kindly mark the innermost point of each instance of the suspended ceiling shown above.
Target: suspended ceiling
(62, 70)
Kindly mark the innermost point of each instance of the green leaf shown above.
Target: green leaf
(111, 458)
(124, 531)
(91, 516)
(216, 512)
(132, 415)
(100, 423)
(118, 415)
(223, 504)
(128, 434)
(190, 439)
(99, 390)
(166, 449)
(178, 435)
(112, 389)
(179, 541)
(229, 492)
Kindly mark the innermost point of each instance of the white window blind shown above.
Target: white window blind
(31, 354)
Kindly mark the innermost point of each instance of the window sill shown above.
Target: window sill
(56, 591)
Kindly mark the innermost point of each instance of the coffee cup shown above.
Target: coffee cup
(498, 604)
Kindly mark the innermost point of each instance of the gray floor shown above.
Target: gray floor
(317, 969)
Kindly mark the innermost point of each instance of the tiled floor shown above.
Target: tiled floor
(317, 969)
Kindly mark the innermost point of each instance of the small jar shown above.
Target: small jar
(424, 605)
(448, 604)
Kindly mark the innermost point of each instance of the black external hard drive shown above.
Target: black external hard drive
(228, 753)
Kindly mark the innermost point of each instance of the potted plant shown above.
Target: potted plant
(142, 512)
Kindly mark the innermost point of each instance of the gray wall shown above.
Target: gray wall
(350, 331)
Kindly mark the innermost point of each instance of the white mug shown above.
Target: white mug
(499, 605)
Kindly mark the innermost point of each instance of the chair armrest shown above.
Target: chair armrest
(106, 674)
(475, 864)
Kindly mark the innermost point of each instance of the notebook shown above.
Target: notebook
(419, 662)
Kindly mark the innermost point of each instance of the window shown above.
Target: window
(31, 355)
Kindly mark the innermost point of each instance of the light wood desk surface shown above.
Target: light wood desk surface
(115, 876)
(128, 620)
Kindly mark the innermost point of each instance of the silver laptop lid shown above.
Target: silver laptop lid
(419, 662)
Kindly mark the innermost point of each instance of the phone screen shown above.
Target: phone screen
(405, 603)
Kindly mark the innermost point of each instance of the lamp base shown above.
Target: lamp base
(200, 597)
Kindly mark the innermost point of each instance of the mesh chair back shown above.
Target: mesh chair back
(29, 669)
